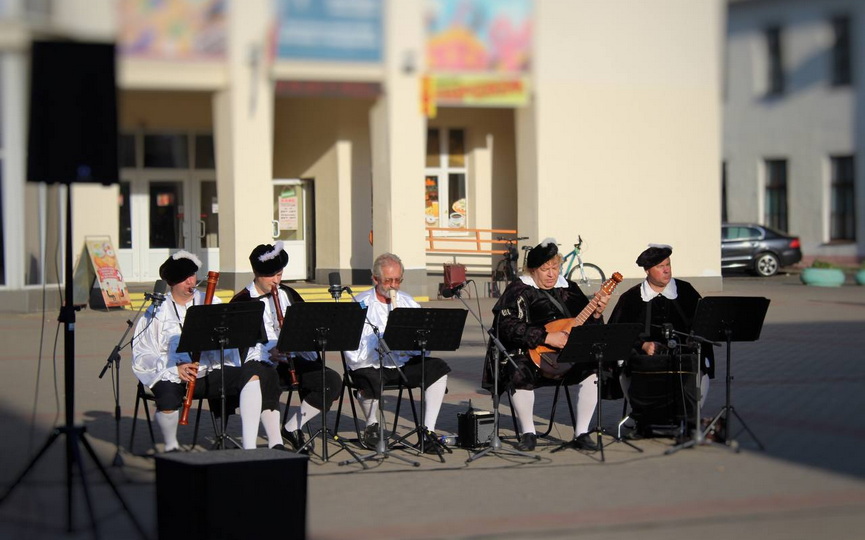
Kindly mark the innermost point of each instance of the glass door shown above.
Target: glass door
(163, 213)
(292, 222)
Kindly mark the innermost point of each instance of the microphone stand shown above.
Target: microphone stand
(698, 438)
(495, 446)
(113, 362)
(382, 451)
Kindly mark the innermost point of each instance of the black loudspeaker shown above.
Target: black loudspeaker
(73, 113)
(231, 494)
(474, 428)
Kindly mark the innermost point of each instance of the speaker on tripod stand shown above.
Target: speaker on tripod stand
(72, 139)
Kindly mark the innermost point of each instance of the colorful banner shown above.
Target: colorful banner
(481, 91)
(492, 36)
(173, 29)
(478, 53)
(335, 30)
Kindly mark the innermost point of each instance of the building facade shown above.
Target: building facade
(794, 122)
(347, 129)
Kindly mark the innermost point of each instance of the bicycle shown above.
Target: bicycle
(587, 275)
(506, 270)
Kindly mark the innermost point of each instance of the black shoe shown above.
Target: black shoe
(585, 442)
(280, 447)
(370, 436)
(429, 444)
(528, 441)
(296, 440)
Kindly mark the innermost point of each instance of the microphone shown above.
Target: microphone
(335, 288)
(392, 294)
(455, 290)
(672, 343)
(158, 294)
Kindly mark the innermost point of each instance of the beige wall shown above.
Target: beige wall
(627, 123)
(328, 140)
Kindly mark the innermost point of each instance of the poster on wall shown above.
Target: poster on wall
(173, 29)
(329, 30)
(288, 212)
(98, 264)
(479, 51)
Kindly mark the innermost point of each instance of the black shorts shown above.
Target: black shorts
(309, 377)
(432, 369)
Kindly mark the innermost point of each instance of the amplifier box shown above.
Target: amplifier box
(475, 428)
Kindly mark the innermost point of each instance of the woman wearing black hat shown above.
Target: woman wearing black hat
(268, 262)
(659, 300)
(158, 365)
(540, 296)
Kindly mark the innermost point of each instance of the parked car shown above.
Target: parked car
(757, 248)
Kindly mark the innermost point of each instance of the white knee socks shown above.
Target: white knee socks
(370, 409)
(524, 408)
(250, 412)
(270, 421)
(587, 400)
(167, 422)
(301, 416)
(433, 398)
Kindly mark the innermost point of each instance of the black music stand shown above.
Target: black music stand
(215, 327)
(598, 344)
(321, 327)
(729, 319)
(425, 329)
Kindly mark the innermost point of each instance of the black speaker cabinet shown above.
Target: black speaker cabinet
(231, 494)
(474, 428)
(73, 113)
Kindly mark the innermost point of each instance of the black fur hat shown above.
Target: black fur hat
(655, 254)
(268, 259)
(178, 267)
(541, 253)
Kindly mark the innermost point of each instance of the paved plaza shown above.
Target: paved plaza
(799, 388)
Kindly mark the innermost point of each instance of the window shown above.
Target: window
(843, 218)
(445, 179)
(166, 151)
(842, 65)
(776, 61)
(775, 210)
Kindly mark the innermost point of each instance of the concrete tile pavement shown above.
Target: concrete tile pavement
(799, 388)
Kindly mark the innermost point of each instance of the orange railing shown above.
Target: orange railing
(475, 241)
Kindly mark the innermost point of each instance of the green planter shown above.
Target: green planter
(860, 277)
(823, 277)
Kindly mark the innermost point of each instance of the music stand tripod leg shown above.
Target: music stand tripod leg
(382, 450)
(598, 430)
(495, 446)
(424, 435)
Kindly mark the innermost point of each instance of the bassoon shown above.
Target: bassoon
(292, 374)
(212, 280)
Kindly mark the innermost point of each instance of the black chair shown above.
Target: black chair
(559, 387)
(349, 384)
(144, 395)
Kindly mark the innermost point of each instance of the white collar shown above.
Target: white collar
(648, 293)
(528, 280)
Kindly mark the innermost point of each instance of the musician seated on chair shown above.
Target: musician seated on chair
(300, 371)
(540, 296)
(365, 362)
(660, 300)
(158, 365)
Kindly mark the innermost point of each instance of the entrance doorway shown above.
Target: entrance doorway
(162, 212)
(292, 222)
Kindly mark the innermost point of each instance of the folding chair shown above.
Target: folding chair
(349, 384)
